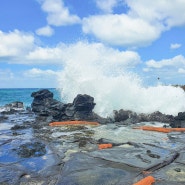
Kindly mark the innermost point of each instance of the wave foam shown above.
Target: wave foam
(113, 88)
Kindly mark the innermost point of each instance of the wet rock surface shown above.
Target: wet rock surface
(32, 152)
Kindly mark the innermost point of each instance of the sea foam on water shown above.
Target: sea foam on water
(114, 88)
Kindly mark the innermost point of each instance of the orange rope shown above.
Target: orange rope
(146, 181)
(160, 129)
(63, 123)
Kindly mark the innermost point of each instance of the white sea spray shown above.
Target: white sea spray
(113, 86)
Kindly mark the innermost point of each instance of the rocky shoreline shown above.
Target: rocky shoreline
(47, 108)
(32, 152)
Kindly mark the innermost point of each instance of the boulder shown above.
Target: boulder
(121, 115)
(44, 104)
(84, 103)
(42, 94)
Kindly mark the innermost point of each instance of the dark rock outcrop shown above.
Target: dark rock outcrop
(44, 105)
(128, 117)
(156, 116)
(13, 107)
(81, 109)
(121, 115)
(179, 121)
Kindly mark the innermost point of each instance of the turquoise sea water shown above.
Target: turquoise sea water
(22, 95)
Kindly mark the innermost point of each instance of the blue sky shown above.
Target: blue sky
(39, 38)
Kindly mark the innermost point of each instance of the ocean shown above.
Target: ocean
(8, 95)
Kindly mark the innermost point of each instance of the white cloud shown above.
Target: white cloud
(84, 52)
(175, 46)
(21, 48)
(168, 13)
(176, 61)
(37, 73)
(16, 43)
(141, 25)
(45, 55)
(181, 70)
(106, 5)
(58, 14)
(121, 30)
(32, 78)
(146, 69)
(45, 31)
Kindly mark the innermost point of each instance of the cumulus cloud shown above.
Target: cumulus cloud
(142, 24)
(106, 5)
(121, 30)
(21, 48)
(58, 14)
(181, 70)
(82, 52)
(169, 71)
(168, 13)
(176, 61)
(45, 31)
(35, 73)
(175, 46)
(45, 55)
(15, 43)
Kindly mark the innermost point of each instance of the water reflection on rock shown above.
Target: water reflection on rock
(32, 153)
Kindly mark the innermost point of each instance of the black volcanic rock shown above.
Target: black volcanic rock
(84, 103)
(42, 94)
(128, 117)
(13, 107)
(81, 109)
(157, 116)
(121, 115)
(179, 121)
(44, 104)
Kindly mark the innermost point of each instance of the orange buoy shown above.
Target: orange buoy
(63, 123)
(146, 181)
(104, 146)
(160, 129)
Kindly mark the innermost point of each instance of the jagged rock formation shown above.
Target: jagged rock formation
(44, 105)
(127, 116)
(81, 108)
(179, 121)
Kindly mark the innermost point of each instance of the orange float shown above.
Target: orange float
(146, 181)
(160, 129)
(104, 146)
(63, 123)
